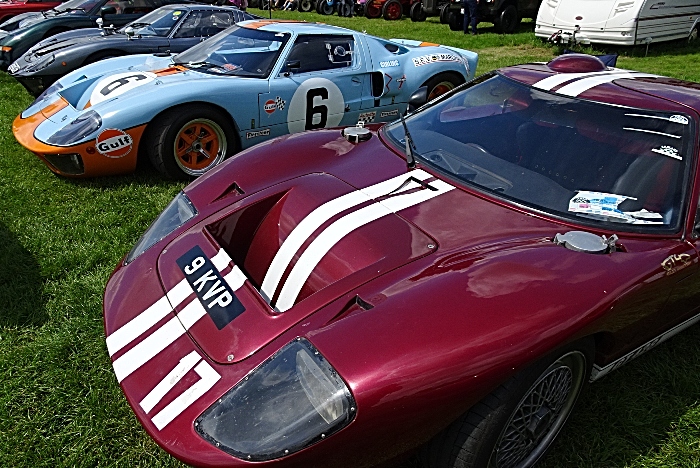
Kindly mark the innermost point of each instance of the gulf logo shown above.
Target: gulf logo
(270, 106)
(113, 143)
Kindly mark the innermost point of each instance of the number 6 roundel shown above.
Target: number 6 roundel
(317, 103)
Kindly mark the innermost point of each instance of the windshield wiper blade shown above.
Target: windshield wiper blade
(139, 25)
(410, 160)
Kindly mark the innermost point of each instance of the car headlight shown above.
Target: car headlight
(53, 89)
(78, 129)
(177, 213)
(292, 400)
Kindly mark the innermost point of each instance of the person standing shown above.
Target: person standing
(469, 7)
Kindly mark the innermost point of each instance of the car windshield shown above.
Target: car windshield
(568, 157)
(156, 23)
(236, 51)
(83, 6)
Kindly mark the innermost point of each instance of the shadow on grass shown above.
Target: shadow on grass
(21, 285)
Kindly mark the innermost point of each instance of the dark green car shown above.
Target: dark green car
(19, 34)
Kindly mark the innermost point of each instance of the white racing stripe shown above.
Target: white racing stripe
(169, 381)
(555, 80)
(320, 215)
(342, 227)
(173, 329)
(159, 310)
(208, 377)
(581, 86)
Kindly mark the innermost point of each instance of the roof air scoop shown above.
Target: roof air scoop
(582, 241)
(576, 63)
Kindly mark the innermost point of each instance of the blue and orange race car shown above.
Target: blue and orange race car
(252, 82)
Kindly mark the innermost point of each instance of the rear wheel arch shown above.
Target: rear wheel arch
(472, 439)
(152, 127)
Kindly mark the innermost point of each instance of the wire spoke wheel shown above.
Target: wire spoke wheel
(541, 413)
(199, 145)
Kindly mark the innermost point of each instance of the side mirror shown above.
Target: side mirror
(129, 31)
(418, 99)
(107, 10)
(292, 65)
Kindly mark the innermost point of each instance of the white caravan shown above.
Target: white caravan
(619, 22)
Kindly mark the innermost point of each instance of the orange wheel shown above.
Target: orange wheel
(190, 140)
(441, 84)
(440, 89)
(199, 145)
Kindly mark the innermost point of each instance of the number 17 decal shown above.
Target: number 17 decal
(208, 377)
(317, 103)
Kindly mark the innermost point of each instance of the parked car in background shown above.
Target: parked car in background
(20, 33)
(449, 283)
(169, 29)
(504, 14)
(259, 80)
(618, 23)
(11, 8)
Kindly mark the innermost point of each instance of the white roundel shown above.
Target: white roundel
(317, 103)
(114, 85)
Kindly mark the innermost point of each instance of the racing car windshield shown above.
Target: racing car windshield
(236, 51)
(156, 23)
(82, 6)
(593, 162)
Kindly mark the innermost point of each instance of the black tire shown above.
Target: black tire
(171, 131)
(373, 9)
(306, 6)
(359, 9)
(392, 10)
(444, 11)
(442, 83)
(455, 21)
(507, 20)
(345, 8)
(517, 423)
(324, 8)
(417, 12)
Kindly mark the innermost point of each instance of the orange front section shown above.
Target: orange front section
(94, 163)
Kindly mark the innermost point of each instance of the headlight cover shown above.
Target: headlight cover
(54, 88)
(177, 213)
(292, 400)
(78, 129)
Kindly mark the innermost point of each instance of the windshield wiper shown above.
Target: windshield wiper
(139, 25)
(410, 160)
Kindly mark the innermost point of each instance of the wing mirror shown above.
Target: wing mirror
(129, 31)
(107, 10)
(291, 66)
(418, 99)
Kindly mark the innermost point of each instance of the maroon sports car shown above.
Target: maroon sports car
(336, 298)
(11, 8)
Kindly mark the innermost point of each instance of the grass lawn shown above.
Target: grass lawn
(60, 403)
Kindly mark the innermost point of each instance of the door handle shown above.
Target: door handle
(356, 79)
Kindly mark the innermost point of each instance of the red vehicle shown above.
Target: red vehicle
(339, 297)
(10, 8)
(391, 10)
